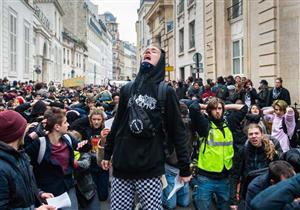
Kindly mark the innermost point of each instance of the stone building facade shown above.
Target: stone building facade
(161, 27)
(54, 13)
(189, 37)
(142, 29)
(16, 45)
(129, 71)
(74, 56)
(31, 40)
(83, 21)
(257, 39)
(112, 25)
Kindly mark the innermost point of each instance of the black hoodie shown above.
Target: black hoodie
(137, 158)
(17, 184)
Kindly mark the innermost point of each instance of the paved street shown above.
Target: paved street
(105, 206)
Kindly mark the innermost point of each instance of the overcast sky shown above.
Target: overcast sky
(126, 13)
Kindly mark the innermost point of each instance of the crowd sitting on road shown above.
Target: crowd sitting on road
(232, 146)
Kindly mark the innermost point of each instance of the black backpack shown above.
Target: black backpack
(295, 139)
(140, 123)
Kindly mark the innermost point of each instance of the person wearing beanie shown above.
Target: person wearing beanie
(138, 158)
(18, 188)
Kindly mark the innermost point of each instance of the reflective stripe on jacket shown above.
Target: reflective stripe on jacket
(217, 150)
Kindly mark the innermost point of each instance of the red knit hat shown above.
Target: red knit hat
(12, 126)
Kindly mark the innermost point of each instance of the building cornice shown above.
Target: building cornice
(158, 6)
(55, 2)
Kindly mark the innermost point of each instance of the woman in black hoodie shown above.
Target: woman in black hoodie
(138, 162)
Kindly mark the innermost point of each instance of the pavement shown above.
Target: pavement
(106, 206)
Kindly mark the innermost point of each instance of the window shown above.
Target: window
(55, 23)
(64, 53)
(58, 28)
(181, 40)
(235, 10)
(79, 61)
(13, 42)
(182, 76)
(192, 34)
(76, 58)
(56, 63)
(180, 7)
(170, 26)
(68, 57)
(26, 48)
(237, 56)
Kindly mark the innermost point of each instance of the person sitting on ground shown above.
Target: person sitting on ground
(283, 122)
(257, 154)
(279, 170)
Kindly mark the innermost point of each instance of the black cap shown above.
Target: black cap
(264, 82)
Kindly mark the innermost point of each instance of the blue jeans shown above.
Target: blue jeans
(206, 189)
(181, 197)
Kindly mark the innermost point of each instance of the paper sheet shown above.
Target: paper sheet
(176, 187)
(61, 201)
(108, 123)
(164, 181)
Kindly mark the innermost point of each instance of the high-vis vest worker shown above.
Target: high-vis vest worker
(216, 152)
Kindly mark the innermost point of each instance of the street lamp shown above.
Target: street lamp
(37, 70)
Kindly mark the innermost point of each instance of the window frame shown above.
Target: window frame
(181, 40)
(193, 36)
(240, 56)
(13, 43)
(26, 47)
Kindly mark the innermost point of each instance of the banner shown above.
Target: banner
(74, 82)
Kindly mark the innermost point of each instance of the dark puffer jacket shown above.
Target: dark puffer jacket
(17, 185)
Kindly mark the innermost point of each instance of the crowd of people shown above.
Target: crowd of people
(229, 145)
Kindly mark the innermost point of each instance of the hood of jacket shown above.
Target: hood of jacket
(153, 74)
(8, 153)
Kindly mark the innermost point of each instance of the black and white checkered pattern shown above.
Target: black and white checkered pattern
(148, 191)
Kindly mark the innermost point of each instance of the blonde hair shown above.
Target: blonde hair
(97, 111)
(281, 103)
(269, 145)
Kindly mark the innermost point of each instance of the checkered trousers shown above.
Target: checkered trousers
(148, 191)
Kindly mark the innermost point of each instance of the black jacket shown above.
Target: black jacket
(263, 97)
(85, 184)
(284, 95)
(249, 159)
(82, 126)
(17, 185)
(252, 94)
(135, 157)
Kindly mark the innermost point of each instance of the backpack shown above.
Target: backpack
(295, 139)
(221, 92)
(140, 123)
(43, 144)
